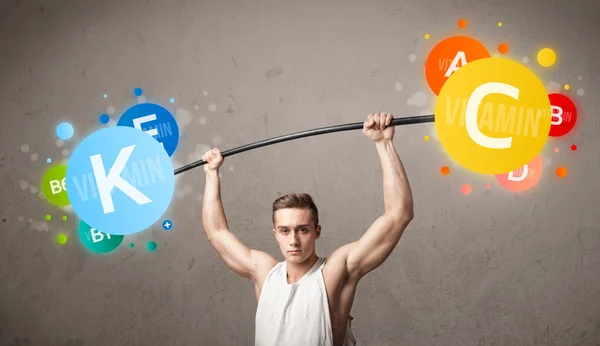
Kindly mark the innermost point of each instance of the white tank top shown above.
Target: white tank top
(296, 314)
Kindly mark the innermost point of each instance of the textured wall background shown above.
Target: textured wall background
(490, 268)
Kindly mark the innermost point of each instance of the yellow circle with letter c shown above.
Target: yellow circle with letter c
(493, 115)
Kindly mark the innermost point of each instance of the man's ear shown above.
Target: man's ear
(318, 229)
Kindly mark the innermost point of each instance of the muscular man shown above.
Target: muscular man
(306, 299)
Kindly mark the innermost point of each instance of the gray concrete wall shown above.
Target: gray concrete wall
(491, 268)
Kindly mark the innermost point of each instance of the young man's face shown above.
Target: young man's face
(294, 230)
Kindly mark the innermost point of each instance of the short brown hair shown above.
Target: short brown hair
(297, 200)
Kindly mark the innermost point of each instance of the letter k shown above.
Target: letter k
(107, 182)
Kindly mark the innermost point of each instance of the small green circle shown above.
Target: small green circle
(54, 186)
(48, 217)
(151, 246)
(131, 245)
(64, 218)
(61, 238)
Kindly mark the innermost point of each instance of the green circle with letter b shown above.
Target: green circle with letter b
(97, 241)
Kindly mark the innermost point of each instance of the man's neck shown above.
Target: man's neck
(295, 271)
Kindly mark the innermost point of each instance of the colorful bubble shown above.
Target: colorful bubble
(104, 96)
(564, 115)
(426, 138)
(96, 241)
(48, 160)
(104, 118)
(137, 91)
(503, 48)
(151, 246)
(573, 147)
(64, 131)
(561, 172)
(487, 186)
(449, 56)
(556, 150)
(567, 87)
(546, 57)
(48, 217)
(172, 100)
(61, 238)
(466, 189)
(167, 225)
(427, 36)
(499, 23)
(54, 186)
(445, 170)
(131, 245)
(462, 23)
(523, 178)
(64, 218)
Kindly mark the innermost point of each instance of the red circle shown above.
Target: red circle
(573, 147)
(564, 115)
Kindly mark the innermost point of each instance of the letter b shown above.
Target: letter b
(557, 115)
(97, 236)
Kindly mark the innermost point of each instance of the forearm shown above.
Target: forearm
(213, 215)
(397, 194)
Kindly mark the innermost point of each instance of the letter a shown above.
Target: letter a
(463, 61)
(106, 183)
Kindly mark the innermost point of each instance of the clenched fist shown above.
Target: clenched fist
(376, 127)
(213, 159)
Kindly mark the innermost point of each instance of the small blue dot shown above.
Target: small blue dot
(64, 131)
(104, 118)
(137, 91)
(172, 100)
(48, 160)
(167, 225)
(105, 96)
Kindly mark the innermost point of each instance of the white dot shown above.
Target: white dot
(32, 189)
(580, 92)
(23, 184)
(412, 58)
(553, 87)
(216, 140)
(526, 59)
(59, 143)
(112, 122)
(141, 99)
(212, 107)
(110, 110)
(184, 117)
(580, 78)
(202, 120)
(418, 99)
(196, 107)
(30, 220)
(24, 148)
(398, 86)
(21, 218)
(34, 157)
(231, 169)
(66, 152)
(205, 93)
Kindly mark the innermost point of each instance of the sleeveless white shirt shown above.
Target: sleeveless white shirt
(296, 314)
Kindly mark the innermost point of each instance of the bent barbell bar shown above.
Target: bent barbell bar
(419, 119)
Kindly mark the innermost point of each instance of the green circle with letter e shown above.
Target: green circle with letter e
(97, 241)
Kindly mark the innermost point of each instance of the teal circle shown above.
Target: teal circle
(151, 246)
(97, 241)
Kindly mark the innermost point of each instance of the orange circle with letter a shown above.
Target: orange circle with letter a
(448, 56)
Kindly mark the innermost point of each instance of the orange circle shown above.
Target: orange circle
(445, 170)
(503, 48)
(462, 23)
(466, 189)
(449, 55)
(561, 172)
(523, 178)
(487, 186)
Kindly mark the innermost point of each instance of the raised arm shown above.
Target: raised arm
(378, 242)
(244, 261)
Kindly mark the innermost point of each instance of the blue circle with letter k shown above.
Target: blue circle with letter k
(154, 120)
(120, 180)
